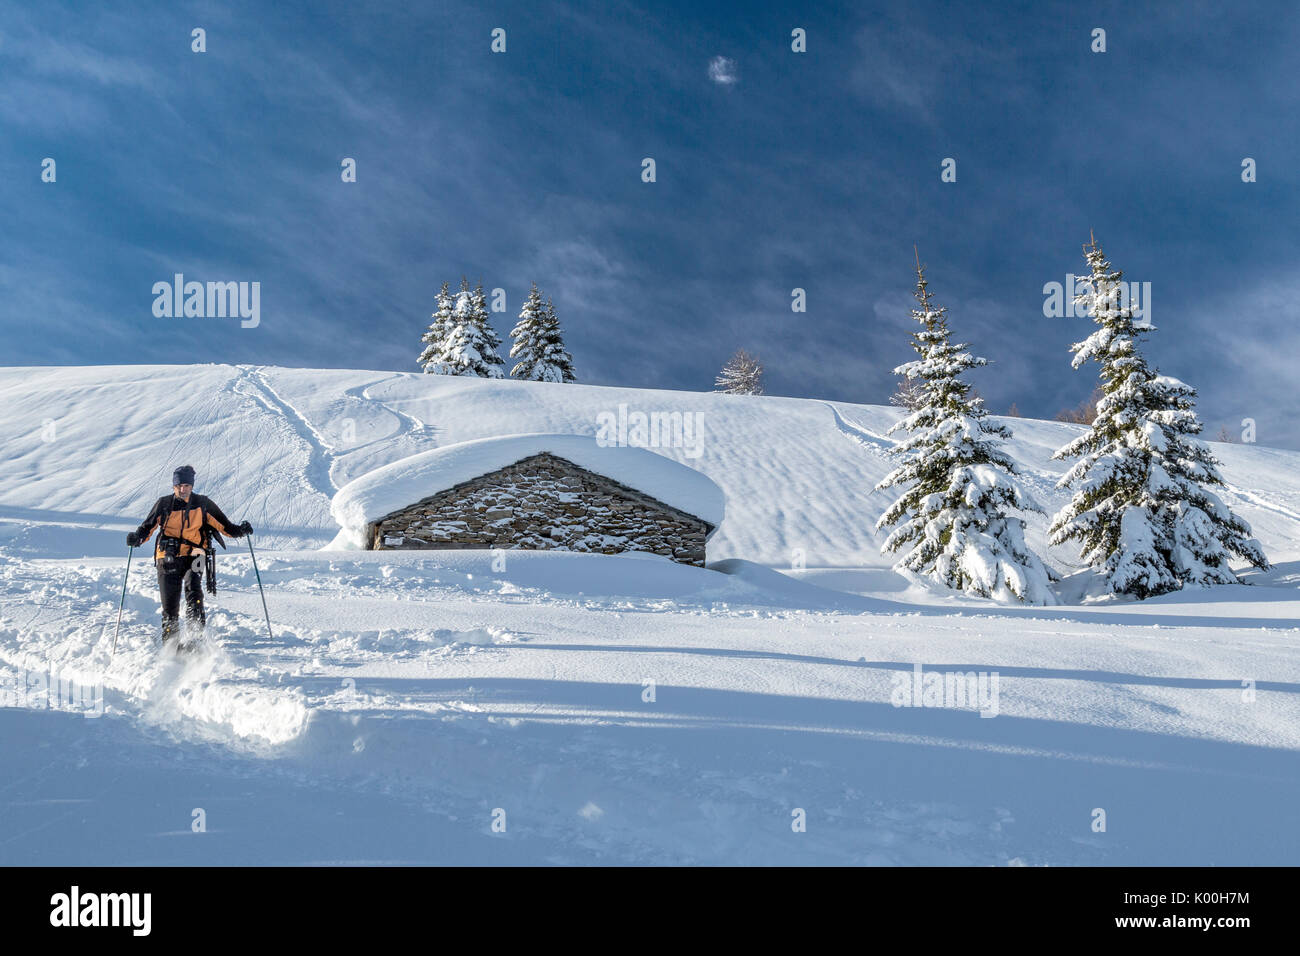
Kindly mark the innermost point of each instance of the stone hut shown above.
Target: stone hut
(535, 492)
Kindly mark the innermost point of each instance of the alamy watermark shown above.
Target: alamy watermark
(75, 908)
(962, 690)
(658, 429)
(51, 690)
(212, 300)
(1074, 299)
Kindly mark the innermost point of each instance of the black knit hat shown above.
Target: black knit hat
(184, 475)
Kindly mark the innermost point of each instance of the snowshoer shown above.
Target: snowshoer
(188, 524)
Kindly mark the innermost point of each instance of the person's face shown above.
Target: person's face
(183, 491)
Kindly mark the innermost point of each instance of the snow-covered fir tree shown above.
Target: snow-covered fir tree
(481, 319)
(471, 344)
(556, 359)
(953, 518)
(538, 343)
(435, 338)
(742, 375)
(526, 335)
(1141, 509)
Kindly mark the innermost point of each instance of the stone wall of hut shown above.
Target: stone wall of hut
(542, 503)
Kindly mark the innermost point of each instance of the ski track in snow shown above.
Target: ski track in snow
(1259, 501)
(414, 427)
(864, 437)
(320, 454)
(620, 710)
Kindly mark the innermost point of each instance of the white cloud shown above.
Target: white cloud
(722, 70)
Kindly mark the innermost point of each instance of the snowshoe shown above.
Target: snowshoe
(192, 640)
(188, 643)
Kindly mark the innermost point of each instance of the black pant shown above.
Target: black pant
(172, 573)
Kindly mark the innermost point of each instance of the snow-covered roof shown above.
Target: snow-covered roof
(401, 483)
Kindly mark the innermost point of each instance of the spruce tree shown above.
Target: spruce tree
(538, 343)
(435, 338)
(471, 344)
(742, 375)
(526, 335)
(1141, 509)
(557, 363)
(953, 518)
(482, 319)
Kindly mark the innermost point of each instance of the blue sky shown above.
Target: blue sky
(817, 170)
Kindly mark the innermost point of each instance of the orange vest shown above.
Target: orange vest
(186, 524)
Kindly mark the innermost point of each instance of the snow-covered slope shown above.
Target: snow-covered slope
(273, 445)
(617, 709)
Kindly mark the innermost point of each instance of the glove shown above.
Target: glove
(245, 528)
(132, 539)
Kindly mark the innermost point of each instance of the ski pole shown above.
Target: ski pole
(259, 587)
(129, 551)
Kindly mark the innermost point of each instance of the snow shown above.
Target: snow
(402, 483)
(407, 694)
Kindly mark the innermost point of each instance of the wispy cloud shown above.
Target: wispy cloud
(723, 71)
